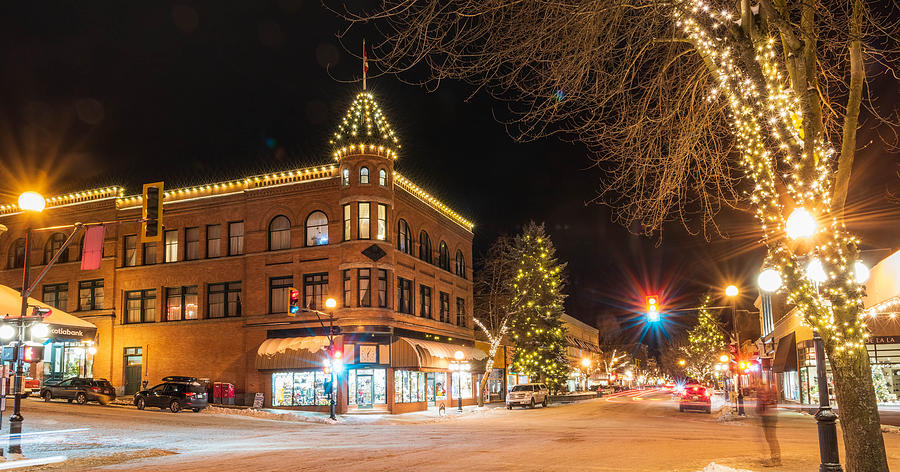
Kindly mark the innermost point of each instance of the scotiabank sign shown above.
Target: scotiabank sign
(70, 332)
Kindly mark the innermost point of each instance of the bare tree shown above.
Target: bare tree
(494, 296)
(690, 105)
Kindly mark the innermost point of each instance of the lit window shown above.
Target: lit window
(191, 243)
(364, 175)
(404, 237)
(364, 219)
(171, 246)
(382, 177)
(347, 222)
(381, 230)
(130, 250)
(316, 229)
(345, 177)
(279, 233)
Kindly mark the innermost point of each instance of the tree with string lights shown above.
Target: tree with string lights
(704, 346)
(537, 330)
(691, 106)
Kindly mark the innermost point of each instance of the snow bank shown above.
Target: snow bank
(301, 416)
(713, 467)
(313, 344)
(886, 428)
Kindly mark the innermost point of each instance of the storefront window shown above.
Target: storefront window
(298, 389)
(409, 386)
(462, 381)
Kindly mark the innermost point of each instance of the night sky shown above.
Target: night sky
(125, 93)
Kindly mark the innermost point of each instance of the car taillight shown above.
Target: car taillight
(189, 394)
(95, 389)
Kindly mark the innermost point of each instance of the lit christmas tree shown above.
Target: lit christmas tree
(882, 389)
(538, 331)
(705, 343)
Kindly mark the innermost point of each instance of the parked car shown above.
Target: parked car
(527, 395)
(175, 393)
(695, 397)
(79, 390)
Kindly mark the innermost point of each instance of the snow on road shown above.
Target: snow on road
(640, 431)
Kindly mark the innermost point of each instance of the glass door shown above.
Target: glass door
(364, 391)
(429, 388)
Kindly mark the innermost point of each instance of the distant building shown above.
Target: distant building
(210, 299)
(582, 342)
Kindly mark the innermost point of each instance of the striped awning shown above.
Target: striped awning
(292, 353)
(434, 354)
(582, 344)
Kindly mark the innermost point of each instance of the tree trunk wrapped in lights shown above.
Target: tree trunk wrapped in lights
(691, 105)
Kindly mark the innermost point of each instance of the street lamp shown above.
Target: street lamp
(457, 365)
(800, 224)
(330, 304)
(769, 280)
(30, 203)
(586, 363)
(860, 272)
(732, 292)
(723, 358)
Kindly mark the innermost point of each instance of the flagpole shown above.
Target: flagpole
(365, 64)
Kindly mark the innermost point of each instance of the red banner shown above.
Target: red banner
(92, 250)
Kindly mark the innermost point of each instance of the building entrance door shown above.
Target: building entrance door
(429, 388)
(134, 362)
(365, 395)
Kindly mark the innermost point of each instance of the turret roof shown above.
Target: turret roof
(365, 129)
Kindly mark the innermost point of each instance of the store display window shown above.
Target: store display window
(298, 389)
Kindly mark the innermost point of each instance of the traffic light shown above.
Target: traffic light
(151, 212)
(33, 353)
(293, 301)
(652, 303)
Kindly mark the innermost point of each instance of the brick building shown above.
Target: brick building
(210, 299)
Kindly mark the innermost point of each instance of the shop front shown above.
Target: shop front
(424, 374)
(296, 366)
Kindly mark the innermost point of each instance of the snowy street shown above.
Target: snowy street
(635, 431)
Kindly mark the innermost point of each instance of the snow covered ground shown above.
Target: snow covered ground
(640, 431)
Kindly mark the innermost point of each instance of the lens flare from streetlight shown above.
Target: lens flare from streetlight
(40, 330)
(801, 224)
(458, 355)
(816, 272)
(330, 303)
(731, 291)
(723, 358)
(860, 272)
(7, 331)
(31, 201)
(769, 280)
(586, 362)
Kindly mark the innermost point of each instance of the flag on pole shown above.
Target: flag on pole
(92, 250)
(365, 64)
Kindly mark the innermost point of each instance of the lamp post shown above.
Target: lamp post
(30, 203)
(586, 363)
(457, 365)
(732, 292)
(330, 304)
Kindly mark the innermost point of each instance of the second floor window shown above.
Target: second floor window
(56, 295)
(149, 253)
(425, 247)
(140, 306)
(460, 264)
(213, 241)
(404, 295)
(348, 289)
(16, 254)
(460, 312)
(445, 307)
(424, 301)
(346, 211)
(130, 250)
(191, 243)
(382, 177)
(444, 256)
(382, 288)
(235, 238)
(381, 230)
(55, 242)
(279, 233)
(278, 293)
(315, 290)
(316, 229)
(223, 300)
(181, 303)
(404, 237)
(90, 295)
(364, 219)
(364, 279)
(171, 246)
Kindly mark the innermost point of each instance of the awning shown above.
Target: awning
(581, 344)
(63, 326)
(432, 353)
(292, 353)
(785, 354)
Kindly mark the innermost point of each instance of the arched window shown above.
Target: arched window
(16, 256)
(382, 177)
(460, 264)
(425, 247)
(404, 237)
(363, 175)
(444, 257)
(345, 177)
(53, 244)
(279, 233)
(316, 229)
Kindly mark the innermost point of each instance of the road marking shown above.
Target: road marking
(38, 433)
(31, 462)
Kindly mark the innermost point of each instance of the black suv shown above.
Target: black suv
(175, 393)
(79, 390)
